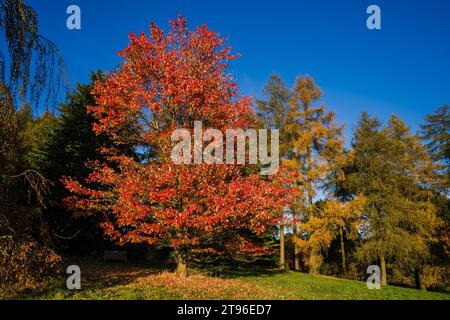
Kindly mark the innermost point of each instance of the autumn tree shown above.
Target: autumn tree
(167, 81)
(337, 219)
(393, 170)
(316, 142)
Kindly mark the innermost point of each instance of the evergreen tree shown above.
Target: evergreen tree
(72, 145)
(75, 142)
(436, 131)
(273, 113)
(39, 134)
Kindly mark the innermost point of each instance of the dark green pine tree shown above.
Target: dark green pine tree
(75, 142)
(273, 114)
(72, 145)
(273, 110)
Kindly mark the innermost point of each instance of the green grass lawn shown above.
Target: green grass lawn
(306, 287)
(119, 281)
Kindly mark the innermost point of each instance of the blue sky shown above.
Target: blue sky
(404, 68)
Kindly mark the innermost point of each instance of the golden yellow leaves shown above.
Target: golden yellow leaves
(324, 227)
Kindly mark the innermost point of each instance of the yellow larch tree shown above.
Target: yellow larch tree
(336, 219)
(317, 147)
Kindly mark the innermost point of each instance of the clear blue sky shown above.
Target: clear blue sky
(404, 68)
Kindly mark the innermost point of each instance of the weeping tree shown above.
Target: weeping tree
(31, 65)
(31, 75)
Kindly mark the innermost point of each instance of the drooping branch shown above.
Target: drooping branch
(38, 185)
(34, 63)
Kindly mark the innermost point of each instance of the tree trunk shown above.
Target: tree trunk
(296, 251)
(296, 258)
(383, 272)
(282, 253)
(419, 283)
(182, 268)
(149, 253)
(309, 184)
(309, 187)
(341, 234)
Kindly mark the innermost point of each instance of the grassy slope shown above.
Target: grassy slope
(112, 281)
(304, 286)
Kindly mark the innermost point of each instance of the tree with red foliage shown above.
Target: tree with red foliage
(167, 81)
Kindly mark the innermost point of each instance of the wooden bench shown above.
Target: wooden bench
(115, 255)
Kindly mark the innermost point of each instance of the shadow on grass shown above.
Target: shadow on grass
(96, 275)
(230, 272)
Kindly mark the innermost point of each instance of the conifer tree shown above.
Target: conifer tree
(336, 219)
(391, 167)
(436, 131)
(273, 112)
(316, 142)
